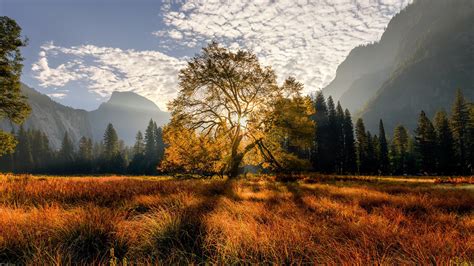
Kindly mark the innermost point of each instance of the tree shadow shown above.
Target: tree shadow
(184, 243)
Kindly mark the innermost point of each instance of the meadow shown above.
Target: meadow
(120, 220)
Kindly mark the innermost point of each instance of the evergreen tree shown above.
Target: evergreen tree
(470, 138)
(139, 147)
(371, 164)
(85, 149)
(160, 145)
(361, 146)
(383, 150)
(150, 142)
(400, 150)
(340, 139)
(318, 158)
(66, 153)
(23, 156)
(111, 142)
(375, 165)
(40, 149)
(332, 140)
(459, 127)
(13, 105)
(425, 144)
(445, 144)
(350, 164)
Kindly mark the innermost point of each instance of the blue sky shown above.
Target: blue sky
(81, 51)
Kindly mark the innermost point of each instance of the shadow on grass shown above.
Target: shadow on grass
(183, 241)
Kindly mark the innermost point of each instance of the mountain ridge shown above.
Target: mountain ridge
(433, 56)
(127, 111)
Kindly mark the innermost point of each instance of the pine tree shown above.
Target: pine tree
(66, 153)
(361, 146)
(383, 150)
(350, 164)
(85, 149)
(376, 155)
(318, 158)
(445, 144)
(13, 105)
(332, 140)
(139, 147)
(150, 142)
(40, 149)
(160, 145)
(470, 138)
(425, 143)
(459, 127)
(400, 150)
(371, 165)
(340, 139)
(138, 165)
(23, 156)
(111, 142)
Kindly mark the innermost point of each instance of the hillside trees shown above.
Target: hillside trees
(13, 105)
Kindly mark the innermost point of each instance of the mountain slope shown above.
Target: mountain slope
(435, 56)
(128, 112)
(53, 118)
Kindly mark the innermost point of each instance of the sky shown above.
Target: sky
(80, 51)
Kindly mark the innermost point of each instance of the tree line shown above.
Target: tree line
(444, 146)
(33, 154)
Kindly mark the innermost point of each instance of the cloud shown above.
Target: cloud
(306, 39)
(104, 69)
(58, 95)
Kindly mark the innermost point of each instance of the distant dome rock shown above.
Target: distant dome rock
(129, 99)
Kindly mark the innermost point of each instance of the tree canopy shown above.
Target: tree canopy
(13, 105)
(229, 94)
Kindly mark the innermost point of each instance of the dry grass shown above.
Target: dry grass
(319, 219)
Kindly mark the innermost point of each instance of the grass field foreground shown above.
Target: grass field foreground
(322, 219)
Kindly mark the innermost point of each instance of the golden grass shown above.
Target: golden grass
(319, 219)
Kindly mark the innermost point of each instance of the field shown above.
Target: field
(155, 220)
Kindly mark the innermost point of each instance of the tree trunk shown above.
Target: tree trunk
(234, 164)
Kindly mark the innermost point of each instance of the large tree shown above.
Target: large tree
(13, 105)
(228, 93)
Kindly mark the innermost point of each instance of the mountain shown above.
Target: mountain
(127, 111)
(425, 54)
(53, 118)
